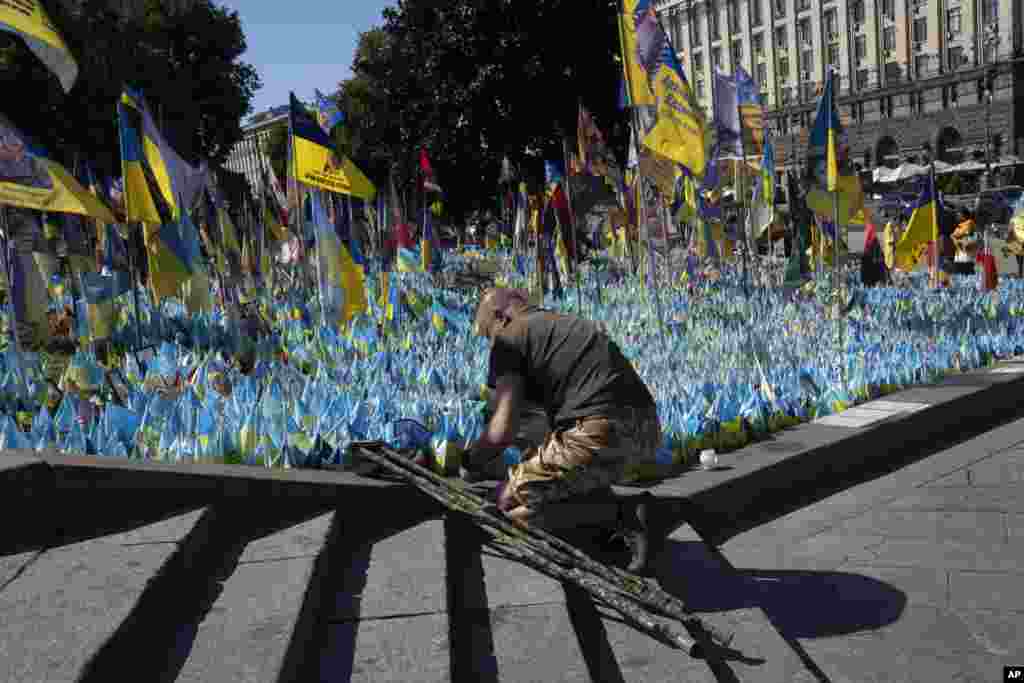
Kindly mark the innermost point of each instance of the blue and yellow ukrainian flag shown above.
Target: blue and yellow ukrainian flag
(822, 150)
(30, 22)
(679, 130)
(150, 196)
(437, 317)
(99, 292)
(393, 310)
(408, 261)
(318, 163)
(637, 90)
(768, 174)
(170, 263)
(922, 229)
(353, 281)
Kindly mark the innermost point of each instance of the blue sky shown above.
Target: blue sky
(302, 44)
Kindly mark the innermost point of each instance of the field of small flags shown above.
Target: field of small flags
(727, 364)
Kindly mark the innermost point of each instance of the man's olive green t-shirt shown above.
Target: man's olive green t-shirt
(571, 367)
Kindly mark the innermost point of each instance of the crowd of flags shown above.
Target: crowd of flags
(309, 218)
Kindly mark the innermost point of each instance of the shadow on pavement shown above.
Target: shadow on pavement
(51, 520)
(470, 632)
(158, 635)
(323, 643)
(801, 604)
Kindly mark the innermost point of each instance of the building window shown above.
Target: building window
(737, 54)
(810, 91)
(920, 30)
(716, 58)
(953, 20)
(921, 65)
(804, 32)
(806, 63)
(889, 39)
(956, 58)
(759, 46)
(833, 54)
(802, 5)
(780, 39)
(860, 49)
(954, 95)
(713, 21)
(696, 35)
(885, 106)
(700, 89)
(787, 95)
(762, 75)
(989, 11)
(892, 72)
(862, 79)
(783, 71)
(780, 8)
(755, 12)
(674, 26)
(831, 25)
(916, 103)
(698, 62)
(857, 12)
(991, 52)
(733, 14)
(888, 9)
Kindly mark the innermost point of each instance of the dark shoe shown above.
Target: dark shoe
(635, 529)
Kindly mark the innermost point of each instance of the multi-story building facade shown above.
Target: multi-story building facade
(246, 157)
(912, 74)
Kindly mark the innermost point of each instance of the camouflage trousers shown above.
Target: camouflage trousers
(588, 456)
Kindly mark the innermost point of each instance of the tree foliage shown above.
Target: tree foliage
(186, 62)
(473, 81)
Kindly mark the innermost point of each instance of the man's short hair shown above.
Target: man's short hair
(492, 301)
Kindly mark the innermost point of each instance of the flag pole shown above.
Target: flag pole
(9, 270)
(302, 220)
(740, 188)
(836, 268)
(129, 248)
(574, 257)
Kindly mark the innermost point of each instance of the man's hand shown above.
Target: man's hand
(504, 497)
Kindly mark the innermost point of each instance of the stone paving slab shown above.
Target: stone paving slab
(940, 524)
(171, 530)
(943, 556)
(870, 659)
(923, 552)
(13, 460)
(246, 633)
(987, 590)
(67, 602)
(963, 497)
(405, 574)
(413, 649)
(304, 541)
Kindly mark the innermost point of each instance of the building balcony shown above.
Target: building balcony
(892, 79)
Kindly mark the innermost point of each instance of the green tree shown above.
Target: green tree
(472, 82)
(187, 64)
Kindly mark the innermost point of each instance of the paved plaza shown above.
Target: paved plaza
(912, 576)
